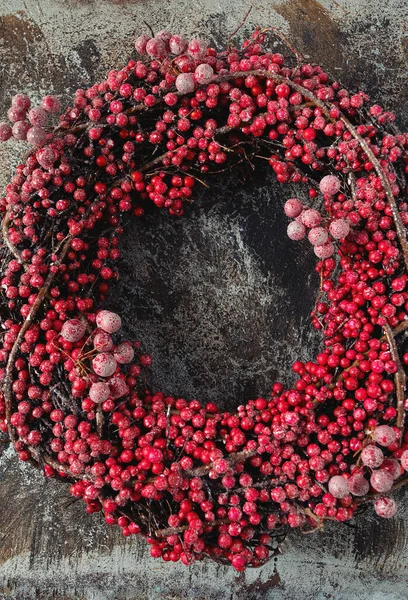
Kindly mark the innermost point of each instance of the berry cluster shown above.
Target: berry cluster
(311, 218)
(194, 480)
(105, 356)
(29, 127)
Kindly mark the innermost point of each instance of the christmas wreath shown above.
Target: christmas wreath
(193, 480)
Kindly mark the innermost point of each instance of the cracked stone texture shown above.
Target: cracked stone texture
(220, 298)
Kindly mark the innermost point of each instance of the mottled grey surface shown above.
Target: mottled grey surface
(220, 298)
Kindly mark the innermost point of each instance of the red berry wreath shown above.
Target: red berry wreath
(193, 480)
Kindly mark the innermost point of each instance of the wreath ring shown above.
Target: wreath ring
(193, 480)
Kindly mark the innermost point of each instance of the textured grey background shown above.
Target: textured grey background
(220, 298)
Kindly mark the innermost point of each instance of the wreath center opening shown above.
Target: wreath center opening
(221, 298)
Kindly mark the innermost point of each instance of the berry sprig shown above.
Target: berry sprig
(309, 218)
(196, 481)
(28, 124)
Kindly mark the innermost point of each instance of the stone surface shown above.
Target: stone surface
(220, 298)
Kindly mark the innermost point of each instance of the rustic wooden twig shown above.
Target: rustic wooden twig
(6, 238)
(400, 377)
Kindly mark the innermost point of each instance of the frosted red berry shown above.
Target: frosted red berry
(384, 435)
(38, 117)
(203, 73)
(339, 487)
(109, 321)
(293, 207)
(73, 330)
(104, 364)
(381, 481)
(317, 236)
(185, 83)
(310, 218)
(296, 231)
(140, 44)
(330, 185)
(36, 136)
(124, 353)
(5, 132)
(385, 507)
(51, 104)
(339, 228)
(372, 456)
(99, 392)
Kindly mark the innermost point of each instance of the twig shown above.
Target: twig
(149, 28)
(285, 40)
(162, 533)
(403, 326)
(399, 377)
(99, 420)
(6, 238)
(231, 35)
(373, 495)
(232, 459)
